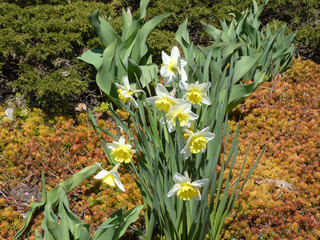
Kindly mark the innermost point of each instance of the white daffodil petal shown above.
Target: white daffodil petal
(178, 178)
(126, 94)
(119, 86)
(206, 129)
(184, 76)
(173, 190)
(183, 63)
(208, 135)
(126, 83)
(187, 152)
(200, 183)
(175, 52)
(183, 85)
(119, 184)
(204, 86)
(113, 145)
(98, 164)
(115, 174)
(205, 99)
(102, 174)
(161, 91)
(198, 197)
(193, 116)
(151, 100)
(122, 140)
(165, 58)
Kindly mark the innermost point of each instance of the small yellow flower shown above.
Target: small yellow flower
(195, 93)
(197, 142)
(185, 189)
(121, 151)
(111, 178)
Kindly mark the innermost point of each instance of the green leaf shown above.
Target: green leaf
(103, 29)
(106, 72)
(116, 225)
(243, 66)
(93, 56)
(34, 207)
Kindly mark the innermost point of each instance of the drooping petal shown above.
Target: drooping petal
(193, 116)
(119, 184)
(200, 183)
(102, 174)
(133, 101)
(205, 99)
(198, 197)
(173, 190)
(119, 86)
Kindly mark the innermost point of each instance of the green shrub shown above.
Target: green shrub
(40, 33)
(38, 48)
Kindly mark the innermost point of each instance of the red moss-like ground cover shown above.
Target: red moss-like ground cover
(282, 115)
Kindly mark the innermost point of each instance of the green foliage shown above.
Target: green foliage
(275, 47)
(125, 55)
(63, 224)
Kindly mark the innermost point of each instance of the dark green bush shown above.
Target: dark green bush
(38, 48)
(40, 39)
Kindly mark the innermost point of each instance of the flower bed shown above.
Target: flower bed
(282, 115)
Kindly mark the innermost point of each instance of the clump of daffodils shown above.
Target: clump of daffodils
(185, 189)
(121, 151)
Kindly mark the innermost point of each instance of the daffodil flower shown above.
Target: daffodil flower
(195, 93)
(163, 101)
(121, 151)
(185, 189)
(125, 93)
(171, 69)
(111, 178)
(183, 113)
(197, 142)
